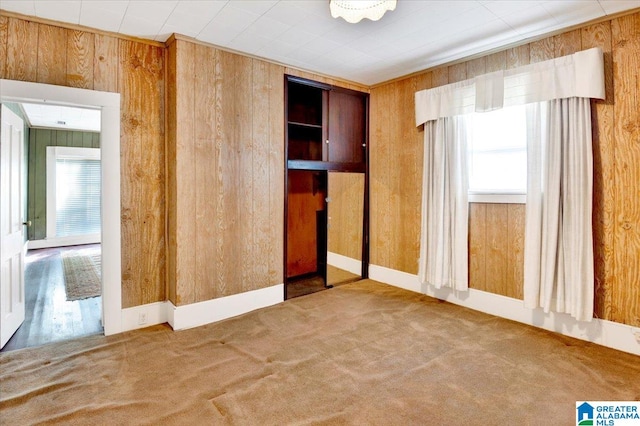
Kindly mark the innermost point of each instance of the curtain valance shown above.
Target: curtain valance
(578, 75)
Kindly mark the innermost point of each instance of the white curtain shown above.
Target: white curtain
(558, 270)
(444, 224)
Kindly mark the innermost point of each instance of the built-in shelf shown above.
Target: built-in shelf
(326, 165)
(305, 125)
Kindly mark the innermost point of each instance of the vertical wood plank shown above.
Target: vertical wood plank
(457, 72)
(497, 61)
(394, 103)
(385, 198)
(52, 55)
(77, 140)
(4, 39)
(599, 35)
(276, 173)
(87, 140)
(60, 138)
(43, 139)
(261, 224)
(375, 144)
(229, 253)
(626, 62)
(518, 56)
(80, 58)
(379, 152)
(542, 50)
(515, 251)
(141, 72)
(424, 81)
(188, 216)
(22, 50)
(478, 246)
(410, 183)
(398, 171)
(568, 43)
(205, 165)
(171, 189)
(496, 259)
(440, 76)
(476, 67)
(245, 143)
(105, 63)
(222, 210)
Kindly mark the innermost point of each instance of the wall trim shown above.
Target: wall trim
(201, 313)
(346, 263)
(611, 334)
(144, 315)
(74, 240)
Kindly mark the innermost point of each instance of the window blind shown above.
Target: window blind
(77, 197)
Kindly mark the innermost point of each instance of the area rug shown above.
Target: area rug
(81, 274)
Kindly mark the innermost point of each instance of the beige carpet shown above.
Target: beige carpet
(362, 353)
(337, 276)
(312, 284)
(303, 286)
(82, 273)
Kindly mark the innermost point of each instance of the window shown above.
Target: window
(73, 194)
(498, 155)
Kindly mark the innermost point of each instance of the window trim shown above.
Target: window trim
(53, 154)
(497, 198)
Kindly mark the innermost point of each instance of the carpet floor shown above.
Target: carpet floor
(361, 353)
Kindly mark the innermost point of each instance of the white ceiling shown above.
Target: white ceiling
(62, 117)
(302, 33)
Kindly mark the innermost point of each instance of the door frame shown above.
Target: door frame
(109, 104)
(325, 166)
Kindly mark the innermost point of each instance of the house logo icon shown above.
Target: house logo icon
(585, 414)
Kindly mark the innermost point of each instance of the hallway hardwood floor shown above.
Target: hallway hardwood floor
(49, 316)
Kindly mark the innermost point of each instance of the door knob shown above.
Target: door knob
(27, 223)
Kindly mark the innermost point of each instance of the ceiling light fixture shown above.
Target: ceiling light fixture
(355, 11)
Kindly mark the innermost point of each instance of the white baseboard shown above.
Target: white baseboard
(606, 333)
(64, 241)
(145, 315)
(195, 314)
(345, 263)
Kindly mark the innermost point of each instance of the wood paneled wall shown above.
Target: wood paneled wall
(39, 140)
(225, 173)
(326, 80)
(224, 179)
(345, 213)
(496, 231)
(37, 52)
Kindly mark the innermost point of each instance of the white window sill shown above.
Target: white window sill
(498, 198)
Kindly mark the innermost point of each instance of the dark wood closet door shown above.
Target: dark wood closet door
(346, 127)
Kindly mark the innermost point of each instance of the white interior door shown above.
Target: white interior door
(11, 225)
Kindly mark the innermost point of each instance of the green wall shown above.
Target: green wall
(39, 140)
